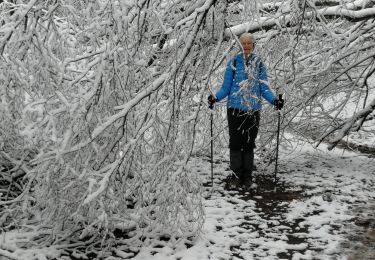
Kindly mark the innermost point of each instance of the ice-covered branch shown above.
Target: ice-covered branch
(345, 129)
(111, 96)
(343, 12)
(349, 12)
(7, 29)
(150, 89)
(103, 184)
(319, 89)
(17, 164)
(11, 255)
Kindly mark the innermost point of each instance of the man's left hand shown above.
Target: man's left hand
(279, 103)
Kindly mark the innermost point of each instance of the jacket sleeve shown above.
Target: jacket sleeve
(265, 91)
(227, 83)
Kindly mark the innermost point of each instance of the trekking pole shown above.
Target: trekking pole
(278, 136)
(211, 106)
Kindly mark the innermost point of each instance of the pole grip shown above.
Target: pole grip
(278, 102)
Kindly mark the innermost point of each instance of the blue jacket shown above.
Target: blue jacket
(244, 90)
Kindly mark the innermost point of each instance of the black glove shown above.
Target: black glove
(279, 103)
(211, 100)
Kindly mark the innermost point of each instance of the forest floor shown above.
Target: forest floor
(323, 207)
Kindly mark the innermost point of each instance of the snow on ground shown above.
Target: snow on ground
(323, 207)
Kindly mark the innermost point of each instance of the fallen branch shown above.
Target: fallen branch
(349, 13)
(350, 122)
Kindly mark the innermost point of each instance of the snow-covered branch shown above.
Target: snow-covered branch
(283, 18)
(348, 124)
(7, 29)
(110, 98)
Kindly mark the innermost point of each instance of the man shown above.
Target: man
(245, 83)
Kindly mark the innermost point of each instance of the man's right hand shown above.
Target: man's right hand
(211, 100)
(279, 103)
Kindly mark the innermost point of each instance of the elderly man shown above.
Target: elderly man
(245, 83)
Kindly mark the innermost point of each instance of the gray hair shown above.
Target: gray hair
(247, 35)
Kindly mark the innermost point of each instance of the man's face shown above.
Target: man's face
(247, 45)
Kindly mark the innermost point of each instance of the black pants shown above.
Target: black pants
(243, 129)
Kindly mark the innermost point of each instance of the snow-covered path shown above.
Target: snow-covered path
(323, 208)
